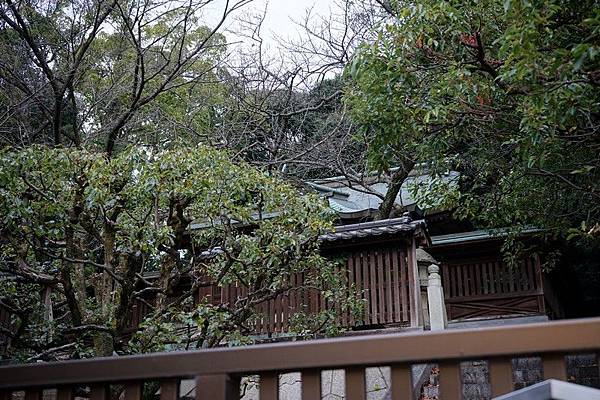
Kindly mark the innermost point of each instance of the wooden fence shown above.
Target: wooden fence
(488, 287)
(382, 278)
(218, 371)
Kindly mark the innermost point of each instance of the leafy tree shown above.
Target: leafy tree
(92, 228)
(105, 73)
(506, 92)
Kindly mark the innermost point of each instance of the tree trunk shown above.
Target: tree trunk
(398, 177)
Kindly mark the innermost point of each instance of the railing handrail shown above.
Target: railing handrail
(371, 350)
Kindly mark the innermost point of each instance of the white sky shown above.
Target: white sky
(279, 18)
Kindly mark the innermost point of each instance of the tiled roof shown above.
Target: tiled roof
(389, 227)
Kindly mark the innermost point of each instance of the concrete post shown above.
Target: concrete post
(435, 299)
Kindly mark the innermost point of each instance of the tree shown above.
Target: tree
(504, 92)
(104, 72)
(91, 228)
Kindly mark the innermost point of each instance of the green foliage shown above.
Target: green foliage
(93, 228)
(505, 92)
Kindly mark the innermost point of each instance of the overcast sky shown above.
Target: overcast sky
(279, 18)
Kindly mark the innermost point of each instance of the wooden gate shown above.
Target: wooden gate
(488, 287)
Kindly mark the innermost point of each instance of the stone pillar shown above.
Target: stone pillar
(435, 299)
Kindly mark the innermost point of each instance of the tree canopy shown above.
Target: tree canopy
(92, 228)
(506, 92)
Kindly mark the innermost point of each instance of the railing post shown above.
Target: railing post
(217, 387)
(435, 299)
(414, 286)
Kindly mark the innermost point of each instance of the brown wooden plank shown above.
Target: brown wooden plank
(351, 289)
(271, 316)
(397, 284)
(472, 288)
(478, 283)
(359, 283)
(217, 387)
(389, 303)
(511, 278)
(34, 394)
(133, 390)
(278, 312)
(373, 287)
(401, 377)
(311, 384)
(380, 289)
(285, 311)
(450, 380)
(554, 366)
(169, 389)
(467, 279)
(293, 291)
(414, 286)
(98, 392)
(64, 393)
(484, 273)
(364, 260)
(355, 384)
(404, 286)
(269, 386)
(501, 378)
(459, 281)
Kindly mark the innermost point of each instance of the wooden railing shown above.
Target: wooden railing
(218, 371)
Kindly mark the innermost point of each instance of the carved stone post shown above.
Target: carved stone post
(435, 299)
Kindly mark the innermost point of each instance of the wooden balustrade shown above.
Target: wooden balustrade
(218, 371)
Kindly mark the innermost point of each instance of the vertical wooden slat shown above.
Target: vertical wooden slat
(5, 394)
(450, 380)
(404, 286)
(401, 382)
(35, 394)
(460, 281)
(373, 287)
(64, 393)
(501, 376)
(478, 283)
(472, 280)
(486, 286)
(554, 366)
(294, 285)
(351, 287)
(389, 303)
(467, 278)
(277, 315)
(311, 385)
(416, 318)
(133, 391)
(511, 277)
(355, 384)
(169, 389)
(98, 392)
(397, 286)
(358, 278)
(269, 386)
(380, 288)
(285, 309)
(269, 311)
(364, 260)
(217, 387)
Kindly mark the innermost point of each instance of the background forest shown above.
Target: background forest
(125, 122)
